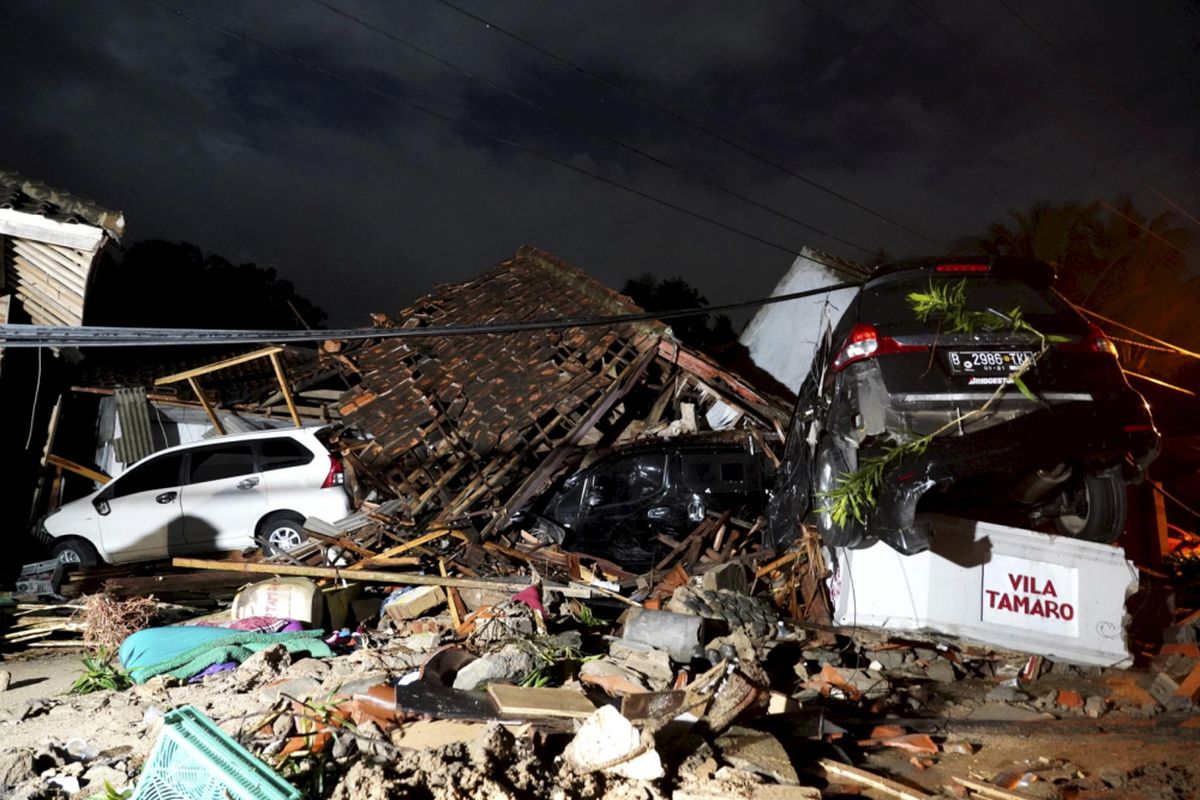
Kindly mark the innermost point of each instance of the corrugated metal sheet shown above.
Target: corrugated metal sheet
(133, 412)
(28, 196)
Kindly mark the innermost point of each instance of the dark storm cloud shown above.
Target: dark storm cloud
(366, 202)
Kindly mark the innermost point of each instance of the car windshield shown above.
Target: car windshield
(887, 301)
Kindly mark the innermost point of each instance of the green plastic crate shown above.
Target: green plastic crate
(193, 759)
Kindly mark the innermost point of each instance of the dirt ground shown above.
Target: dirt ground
(1128, 752)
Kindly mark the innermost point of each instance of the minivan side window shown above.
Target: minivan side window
(282, 453)
(628, 480)
(158, 473)
(221, 461)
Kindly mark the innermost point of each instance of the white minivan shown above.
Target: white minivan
(225, 494)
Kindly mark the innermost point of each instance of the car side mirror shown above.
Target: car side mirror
(593, 499)
(100, 503)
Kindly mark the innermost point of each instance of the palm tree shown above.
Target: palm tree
(1137, 250)
(1064, 235)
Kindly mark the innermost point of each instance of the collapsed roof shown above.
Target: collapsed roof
(472, 426)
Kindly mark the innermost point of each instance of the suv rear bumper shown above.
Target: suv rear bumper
(1102, 434)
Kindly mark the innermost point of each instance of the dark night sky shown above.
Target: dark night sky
(365, 203)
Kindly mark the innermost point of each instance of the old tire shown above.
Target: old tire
(75, 552)
(280, 532)
(1099, 508)
(828, 466)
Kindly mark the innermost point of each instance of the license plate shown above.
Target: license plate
(986, 362)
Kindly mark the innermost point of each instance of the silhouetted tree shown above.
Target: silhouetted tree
(1116, 260)
(703, 331)
(157, 283)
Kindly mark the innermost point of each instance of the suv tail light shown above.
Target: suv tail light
(1094, 342)
(336, 476)
(865, 342)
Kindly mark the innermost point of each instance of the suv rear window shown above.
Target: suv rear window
(221, 461)
(887, 301)
(282, 453)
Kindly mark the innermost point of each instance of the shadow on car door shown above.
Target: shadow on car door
(224, 497)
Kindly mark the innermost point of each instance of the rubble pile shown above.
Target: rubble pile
(554, 688)
(444, 639)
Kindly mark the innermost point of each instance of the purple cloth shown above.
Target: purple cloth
(213, 670)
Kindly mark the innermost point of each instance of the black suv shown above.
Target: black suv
(615, 506)
(1057, 461)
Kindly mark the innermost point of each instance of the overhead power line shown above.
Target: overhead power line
(680, 118)
(477, 131)
(583, 127)
(1159, 382)
(1183, 351)
(1098, 87)
(101, 336)
(1049, 110)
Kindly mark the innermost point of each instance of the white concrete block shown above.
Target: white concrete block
(1004, 587)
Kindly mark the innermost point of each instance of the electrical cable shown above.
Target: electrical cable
(1099, 88)
(102, 336)
(649, 103)
(37, 390)
(1158, 237)
(1049, 110)
(1159, 488)
(1158, 382)
(475, 130)
(1143, 345)
(1176, 348)
(582, 127)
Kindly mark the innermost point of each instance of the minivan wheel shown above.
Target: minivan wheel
(78, 552)
(281, 532)
(1097, 508)
(830, 464)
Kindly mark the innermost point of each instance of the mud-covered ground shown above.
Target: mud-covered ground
(1132, 748)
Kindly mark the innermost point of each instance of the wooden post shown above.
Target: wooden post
(208, 409)
(283, 387)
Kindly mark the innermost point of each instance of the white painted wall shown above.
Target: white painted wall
(781, 337)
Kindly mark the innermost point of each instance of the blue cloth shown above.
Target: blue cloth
(184, 651)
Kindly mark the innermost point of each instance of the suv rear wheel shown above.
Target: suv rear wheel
(1096, 508)
(829, 465)
(280, 532)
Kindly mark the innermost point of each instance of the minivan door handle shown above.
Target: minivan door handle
(248, 483)
(166, 497)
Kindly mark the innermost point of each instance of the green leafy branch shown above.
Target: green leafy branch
(857, 492)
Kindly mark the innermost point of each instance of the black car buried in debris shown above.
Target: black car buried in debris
(616, 506)
(1052, 450)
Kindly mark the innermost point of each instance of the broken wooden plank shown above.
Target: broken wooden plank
(878, 783)
(989, 791)
(217, 365)
(78, 469)
(777, 563)
(400, 548)
(375, 576)
(697, 534)
(525, 701)
(283, 386)
(208, 408)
